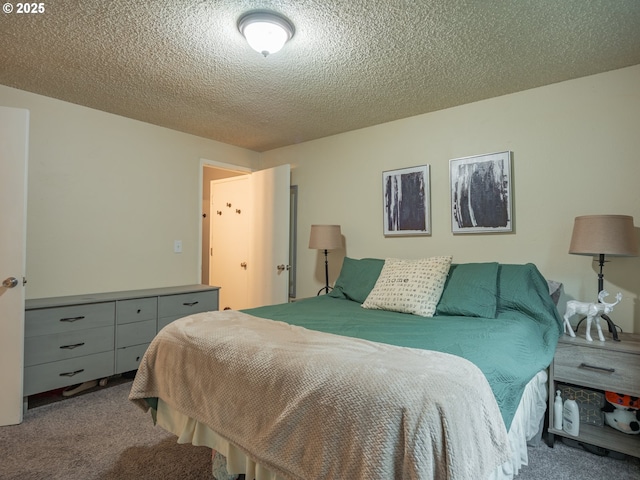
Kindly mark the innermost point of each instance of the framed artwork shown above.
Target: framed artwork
(406, 196)
(481, 197)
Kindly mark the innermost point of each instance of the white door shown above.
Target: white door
(231, 234)
(269, 278)
(14, 139)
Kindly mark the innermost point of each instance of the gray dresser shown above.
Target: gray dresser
(74, 339)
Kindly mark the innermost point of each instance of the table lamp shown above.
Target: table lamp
(601, 235)
(325, 237)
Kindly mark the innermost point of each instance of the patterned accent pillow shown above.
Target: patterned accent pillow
(409, 286)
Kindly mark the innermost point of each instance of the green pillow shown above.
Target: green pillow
(521, 287)
(357, 278)
(470, 291)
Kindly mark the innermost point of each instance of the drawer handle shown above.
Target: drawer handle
(72, 374)
(190, 304)
(595, 367)
(71, 347)
(71, 319)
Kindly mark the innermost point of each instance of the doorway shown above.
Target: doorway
(231, 240)
(271, 212)
(210, 172)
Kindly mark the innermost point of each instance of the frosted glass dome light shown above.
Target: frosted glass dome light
(266, 32)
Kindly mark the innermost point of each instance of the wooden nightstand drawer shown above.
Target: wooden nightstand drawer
(609, 365)
(597, 368)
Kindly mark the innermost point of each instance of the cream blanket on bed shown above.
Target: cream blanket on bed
(311, 405)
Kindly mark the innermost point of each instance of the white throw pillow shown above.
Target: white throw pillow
(410, 286)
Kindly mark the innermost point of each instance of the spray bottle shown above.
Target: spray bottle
(557, 411)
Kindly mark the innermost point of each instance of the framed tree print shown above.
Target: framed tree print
(406, 208)
(481, 196)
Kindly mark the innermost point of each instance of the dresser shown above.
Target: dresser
(74, 339)
(609, 365)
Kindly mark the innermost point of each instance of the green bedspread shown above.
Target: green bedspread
(509, 349)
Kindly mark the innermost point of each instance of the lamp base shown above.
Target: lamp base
(326, 274)
(604, 316)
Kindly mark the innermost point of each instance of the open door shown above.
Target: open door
(256, 256)
(269, 264)
(14, 140)
(230, 240)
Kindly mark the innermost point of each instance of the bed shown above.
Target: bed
(324, 388)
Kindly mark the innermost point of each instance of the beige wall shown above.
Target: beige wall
(107, 198)
(576, 151)
(109, 195)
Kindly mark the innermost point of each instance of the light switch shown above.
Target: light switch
(177, 246)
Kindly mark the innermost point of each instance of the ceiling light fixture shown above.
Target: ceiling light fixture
(266, 32)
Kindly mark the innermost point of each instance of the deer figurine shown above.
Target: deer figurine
(592, 311)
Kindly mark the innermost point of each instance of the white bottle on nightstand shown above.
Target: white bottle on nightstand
(557, 411)
(571, 417)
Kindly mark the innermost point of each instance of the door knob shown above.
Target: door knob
(10, 282)
(282, 268)
(243, 265)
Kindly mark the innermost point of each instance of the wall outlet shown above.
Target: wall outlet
(177, 246)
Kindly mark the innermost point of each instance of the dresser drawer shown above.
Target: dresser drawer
(128, 358)
(187, 303)
(164, 321)
(136, 310)
(61, 346)
(48, 376)
(598, 368)
(48, 321)
(135, 333)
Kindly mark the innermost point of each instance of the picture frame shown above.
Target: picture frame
(406, 194)
(481, 193)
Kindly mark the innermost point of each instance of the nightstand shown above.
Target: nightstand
(609, 365)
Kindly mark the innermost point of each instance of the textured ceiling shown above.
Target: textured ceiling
(183, 64)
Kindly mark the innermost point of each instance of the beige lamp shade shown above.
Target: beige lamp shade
(325, 237)
(612, 235)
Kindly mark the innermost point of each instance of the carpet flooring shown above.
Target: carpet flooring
(100, 435)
